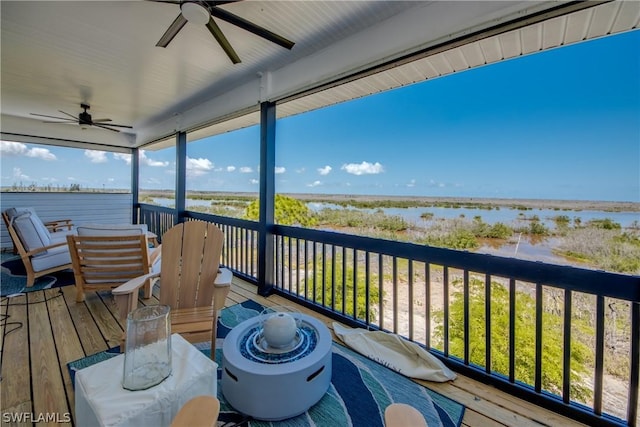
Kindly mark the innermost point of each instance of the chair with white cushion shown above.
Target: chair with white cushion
(41, 246)
(104, 256)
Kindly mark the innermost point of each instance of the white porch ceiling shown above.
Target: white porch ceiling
(56, 55)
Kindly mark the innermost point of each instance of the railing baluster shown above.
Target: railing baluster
(445, 302)
(566, 356)
(487, 323)
(465, 321)
(598, 380)
(634, 377)
(344, 279)
(297, 266)
(367, 290)
(306, 269)
(355, 283)
(289, 249)
(410, 296)
(512, 330)
(395, 294)
(427, 305)
(538, 365)
(315, 270)
(381, 290)
(324, 275)
(333, 277)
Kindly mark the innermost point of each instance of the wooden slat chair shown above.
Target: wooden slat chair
(42, 246)
(106, 262)
(191, 281)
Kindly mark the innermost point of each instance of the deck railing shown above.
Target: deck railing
(532, 329)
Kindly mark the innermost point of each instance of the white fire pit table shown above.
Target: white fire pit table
(275, 384)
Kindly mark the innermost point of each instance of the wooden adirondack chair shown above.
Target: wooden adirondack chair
(191, 282)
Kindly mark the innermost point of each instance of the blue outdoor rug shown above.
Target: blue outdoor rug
(360, 388)
(13, 279)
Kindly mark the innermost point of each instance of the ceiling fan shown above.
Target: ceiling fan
(83, 119)
(202, 12)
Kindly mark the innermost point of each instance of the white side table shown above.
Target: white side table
(101, 400)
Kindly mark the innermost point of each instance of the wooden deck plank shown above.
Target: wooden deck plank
(15, 387)
(67, 342)
(86, 329)
(107, 323)
(46, 378)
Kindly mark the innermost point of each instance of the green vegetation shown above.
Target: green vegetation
(581, 356)
(288, 211)
(343, 284)
(352, 218)
(603, 248)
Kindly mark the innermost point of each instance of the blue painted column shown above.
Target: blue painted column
(267, 197)
(135, 185)
(181, 175)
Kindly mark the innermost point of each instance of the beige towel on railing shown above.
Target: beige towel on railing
(395, 352)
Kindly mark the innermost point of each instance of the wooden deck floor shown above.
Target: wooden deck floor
(44, 330)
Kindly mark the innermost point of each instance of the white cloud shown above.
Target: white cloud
(301, 170)
(314, 184)
(412, 183)
(325, 170)
(280, 169)
(96, 156)
(246, 169)
(122, 156)
(10, 148)
(17, 174)
(198, 167)
(364, 168)
(231, 168)
(143, 159)
(254, 181)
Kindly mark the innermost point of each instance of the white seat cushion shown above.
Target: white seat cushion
(111, 229)
(51, 258)
(30, 229)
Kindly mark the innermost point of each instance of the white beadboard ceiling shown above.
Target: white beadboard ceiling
(55, 55)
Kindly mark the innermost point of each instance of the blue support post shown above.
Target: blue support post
(135, 185)
(267, 197)
(181, 175)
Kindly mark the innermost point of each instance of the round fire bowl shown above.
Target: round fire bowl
(275, 384)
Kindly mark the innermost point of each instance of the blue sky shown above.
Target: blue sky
(562, 124)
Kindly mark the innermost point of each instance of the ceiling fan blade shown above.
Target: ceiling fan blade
(172, 31)
(73, 122)
(54, 117)
(222, 40)
(101, 120)
(251, 27)
(105, 127)
(70, 115)
(113, 125)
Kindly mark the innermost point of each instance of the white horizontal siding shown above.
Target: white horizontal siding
(81, 208)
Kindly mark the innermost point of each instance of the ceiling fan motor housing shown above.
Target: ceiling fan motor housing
(84, 118)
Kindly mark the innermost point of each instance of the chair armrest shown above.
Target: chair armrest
(224, 278)
(134, 284)
(155, 253)
(59, 225)
(45, 248)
